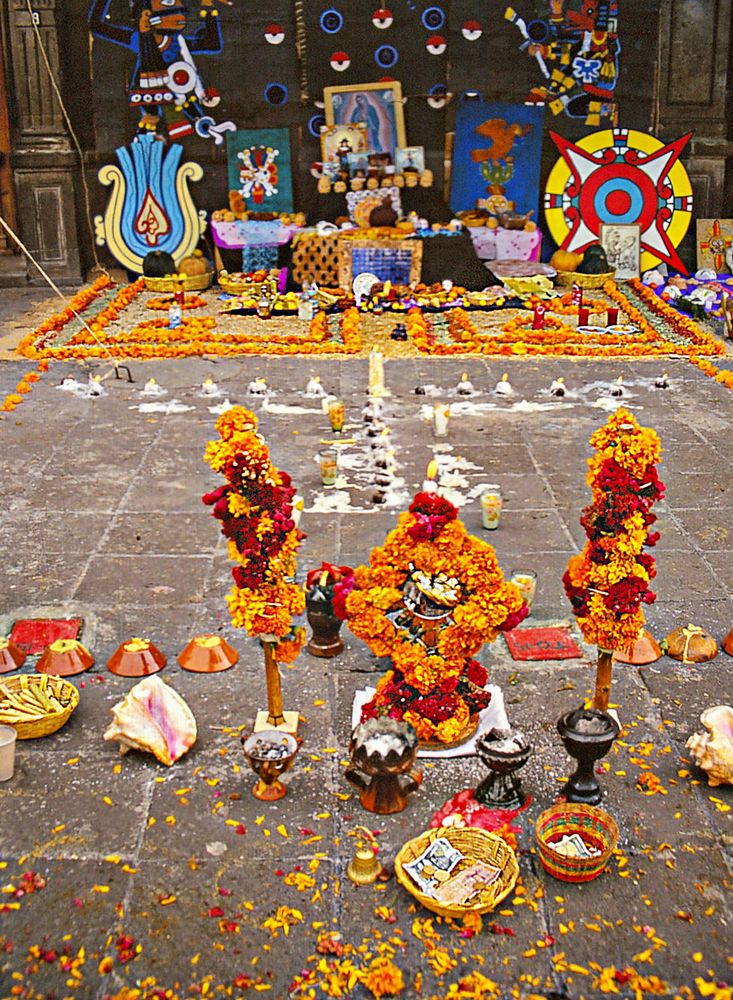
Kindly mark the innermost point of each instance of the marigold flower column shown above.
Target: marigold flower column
(255, 508)
(430, 598)
(609, 581)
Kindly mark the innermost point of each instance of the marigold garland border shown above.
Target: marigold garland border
(194, 337)
(516, 339)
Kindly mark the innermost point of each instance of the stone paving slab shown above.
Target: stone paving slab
(101, 517)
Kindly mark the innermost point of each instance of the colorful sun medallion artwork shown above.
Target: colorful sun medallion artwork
(620, 177)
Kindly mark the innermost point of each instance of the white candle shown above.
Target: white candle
(440, 420)
(298, 504)
(429, 485)
(376, 373)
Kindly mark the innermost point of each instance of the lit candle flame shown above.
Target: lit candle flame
(505, 377)
(464, 377)
(619, 380)
(432, 469)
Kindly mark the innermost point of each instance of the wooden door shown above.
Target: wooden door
(7, 189)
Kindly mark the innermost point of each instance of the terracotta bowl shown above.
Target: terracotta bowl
(646, 649)
(207, 654)
(136, 658)
(10, 656)
(64, 658)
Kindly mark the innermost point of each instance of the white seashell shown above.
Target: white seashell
(713, 750)
(154, 718)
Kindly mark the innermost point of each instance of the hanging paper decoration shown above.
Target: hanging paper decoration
(577, 52)
(497, 157)
(165, 84)
(621, 177)
(259, 168)
(151, 207)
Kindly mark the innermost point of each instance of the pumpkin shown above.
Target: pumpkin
(158, 264)
(194, 265)
(236, 202)
(594, 260)
(565, 260)
(690, 644)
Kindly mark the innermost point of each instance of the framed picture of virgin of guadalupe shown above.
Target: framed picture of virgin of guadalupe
(377, 105)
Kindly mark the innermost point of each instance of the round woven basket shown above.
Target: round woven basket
(236, 287)
(568, 278)
(50, 722)
(595, 826)
(476, 845)
(191, 283)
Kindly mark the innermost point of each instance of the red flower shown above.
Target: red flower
(431, 512)
(476, 673)
(341, 590)
(515, 618)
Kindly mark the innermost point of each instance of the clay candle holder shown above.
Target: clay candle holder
(207, 654)
(384, 750)
(587, 734)
(136, 658)
(10, 656)
(504, 752)
(64, 658)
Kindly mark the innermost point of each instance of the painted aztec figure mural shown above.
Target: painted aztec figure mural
(165, 84)
(577, 50)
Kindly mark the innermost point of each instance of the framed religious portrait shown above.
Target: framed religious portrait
(622, 244)
(358, 164)
(338, 141)
(377, 105)
(410, 159)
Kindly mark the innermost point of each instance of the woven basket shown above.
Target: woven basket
(596, 828)
(476, 845)
(191, 283)
(237, 287)
(568, 278)
(46, 724)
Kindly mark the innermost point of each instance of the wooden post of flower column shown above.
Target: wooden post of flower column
(603, 679)
(274, 717)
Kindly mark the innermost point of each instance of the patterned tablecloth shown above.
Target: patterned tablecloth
(503, 244)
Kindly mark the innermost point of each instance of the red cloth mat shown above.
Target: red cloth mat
(32, 635)
(551, 643)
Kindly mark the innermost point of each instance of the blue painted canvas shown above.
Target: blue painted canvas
(497, 152)
(259, 168)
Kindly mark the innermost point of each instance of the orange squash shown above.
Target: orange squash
(564, 260)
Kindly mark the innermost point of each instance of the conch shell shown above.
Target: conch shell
(154, 718)
(713, 750)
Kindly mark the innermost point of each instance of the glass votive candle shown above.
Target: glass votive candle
(329, 466)
(491, 509)
(526, 581)
(336, 414)
(8, 737)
